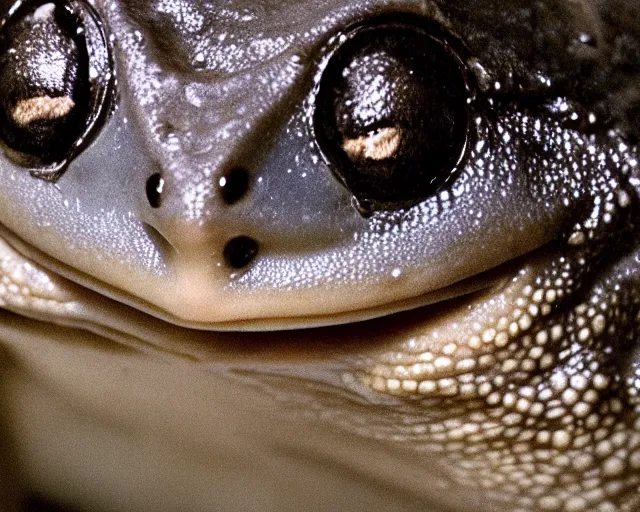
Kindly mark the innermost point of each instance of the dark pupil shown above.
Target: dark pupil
(392, 110)
(44, 83)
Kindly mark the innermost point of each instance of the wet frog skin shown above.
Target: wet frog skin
(208, 302)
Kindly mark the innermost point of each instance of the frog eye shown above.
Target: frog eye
(391, 113)
(55, 83)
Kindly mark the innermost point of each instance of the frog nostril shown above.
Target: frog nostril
(154, 188)
(239, 251)
(233, 185)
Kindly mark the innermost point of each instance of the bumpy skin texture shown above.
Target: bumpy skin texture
(516, 389)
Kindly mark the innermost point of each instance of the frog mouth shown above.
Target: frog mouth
(453, 311)
(83, 284)
(298, 312)
(493, 279)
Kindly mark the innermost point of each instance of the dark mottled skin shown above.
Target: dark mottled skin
(532, 402)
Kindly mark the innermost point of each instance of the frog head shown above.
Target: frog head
(253, 167)
(230, 200)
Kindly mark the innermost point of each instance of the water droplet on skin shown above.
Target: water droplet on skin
(191, 94)
(585, 38)
(199, 61)
(138, 37)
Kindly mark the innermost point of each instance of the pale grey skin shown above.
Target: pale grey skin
(129, 380)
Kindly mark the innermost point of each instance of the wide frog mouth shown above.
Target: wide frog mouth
(434, 376)
(295, 313)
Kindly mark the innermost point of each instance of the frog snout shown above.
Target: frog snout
(201, 223)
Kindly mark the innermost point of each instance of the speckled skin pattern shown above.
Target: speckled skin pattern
(487, 337)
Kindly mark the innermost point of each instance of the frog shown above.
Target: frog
(347, 254)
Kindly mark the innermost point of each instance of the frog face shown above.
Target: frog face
(253, 226)
(465, 169)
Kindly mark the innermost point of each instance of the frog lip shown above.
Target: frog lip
(494, 278)
(489, 279)
(302, 316)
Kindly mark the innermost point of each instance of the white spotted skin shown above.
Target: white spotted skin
(477, 350)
